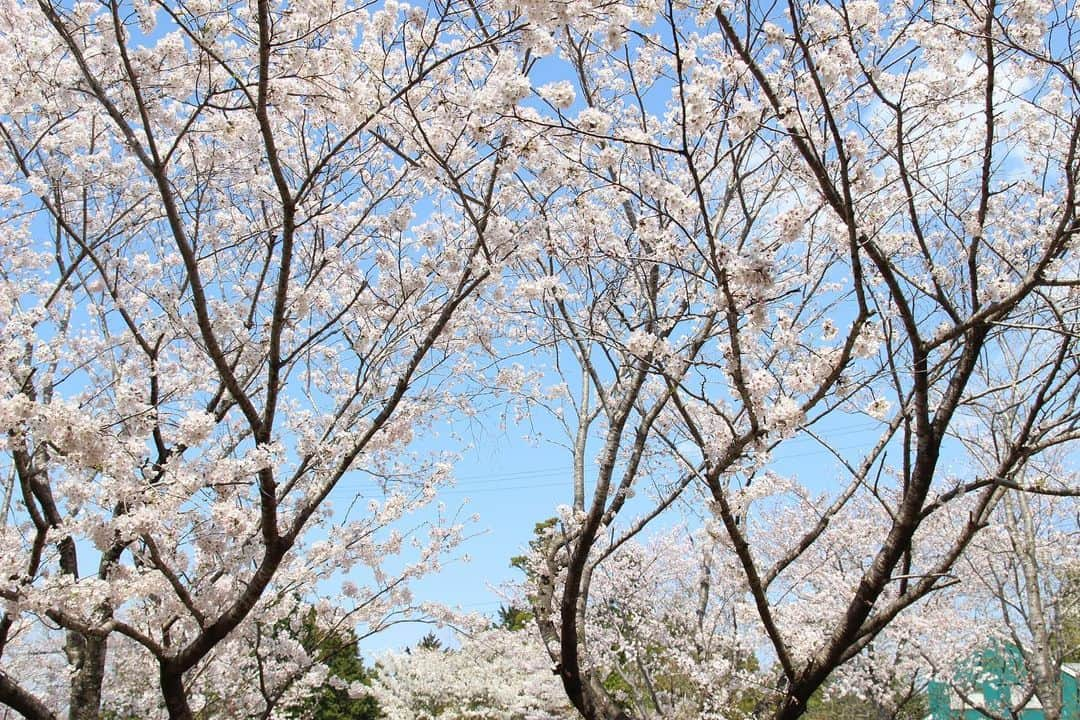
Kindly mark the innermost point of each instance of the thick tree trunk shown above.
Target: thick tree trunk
(86, 682)
(793, 706)
(87, 652)
(174, 693)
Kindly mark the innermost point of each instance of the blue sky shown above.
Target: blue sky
(513, 482)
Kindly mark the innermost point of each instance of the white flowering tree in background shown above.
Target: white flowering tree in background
(1023, 571)
(244, 246)
(1011, 600)
(493, 674)
(672, 630)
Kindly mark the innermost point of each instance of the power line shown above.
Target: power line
(495, 481)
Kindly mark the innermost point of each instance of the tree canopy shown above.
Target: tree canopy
(255, 256)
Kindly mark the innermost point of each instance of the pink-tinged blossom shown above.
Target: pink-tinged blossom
(491, 675)
(560, 94)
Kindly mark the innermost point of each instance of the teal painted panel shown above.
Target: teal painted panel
(938, 701)
(994, 672)
(1071, 692)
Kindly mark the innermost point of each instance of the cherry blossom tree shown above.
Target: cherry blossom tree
(660, 243)
(1007, 602)
(761, 221)
(246, 246)
(494, 674)
(671, 639)
(1023, 570)
(672, 634)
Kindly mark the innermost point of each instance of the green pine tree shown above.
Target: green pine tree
(430, 641)
(338, 649)
(512, 618)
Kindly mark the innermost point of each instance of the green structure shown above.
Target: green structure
(995, 681)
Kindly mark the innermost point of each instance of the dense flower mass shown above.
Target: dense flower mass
(494, 674)
(255, 257)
